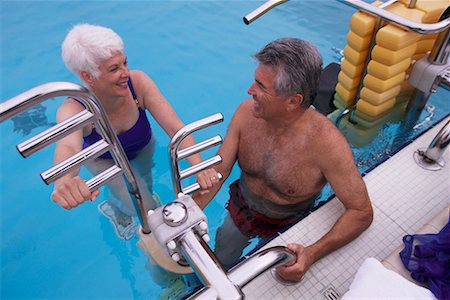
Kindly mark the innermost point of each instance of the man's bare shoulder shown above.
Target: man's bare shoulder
(326, 132)
(243, 112)
(245, 107)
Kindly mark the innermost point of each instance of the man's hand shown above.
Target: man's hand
(296, 271)
(207, 179)
(71, 192)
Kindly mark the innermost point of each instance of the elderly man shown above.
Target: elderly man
(287, 153)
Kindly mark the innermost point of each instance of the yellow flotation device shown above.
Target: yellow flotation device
(375, 78)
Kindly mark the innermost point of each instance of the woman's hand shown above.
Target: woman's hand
(296, 271)
(71, 192)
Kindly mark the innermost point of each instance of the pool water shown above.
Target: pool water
(199, 54)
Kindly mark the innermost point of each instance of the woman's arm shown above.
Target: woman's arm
(70, 190)
(164, 114)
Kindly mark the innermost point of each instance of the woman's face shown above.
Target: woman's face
(114, 74)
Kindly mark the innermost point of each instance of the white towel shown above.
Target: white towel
(374, 281)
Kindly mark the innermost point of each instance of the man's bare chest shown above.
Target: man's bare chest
(286, 165)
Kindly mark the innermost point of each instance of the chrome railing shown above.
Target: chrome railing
(251, 268)
(94, 113)
(176, 154)
(359, 4)
(262, 10)
(399, 20)
(431, 158)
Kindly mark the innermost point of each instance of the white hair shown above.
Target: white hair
(86, 46)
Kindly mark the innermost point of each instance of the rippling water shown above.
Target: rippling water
(199, 54)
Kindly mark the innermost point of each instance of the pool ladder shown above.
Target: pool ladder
(94, 113)
(187, 226)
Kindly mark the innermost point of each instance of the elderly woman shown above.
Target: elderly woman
(96, 55)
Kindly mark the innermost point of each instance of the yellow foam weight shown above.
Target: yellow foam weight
(350, 69)
(418, 56)
(347, 82)
(366, 122)
(355, 57)
(434, 13)
(432, 8)
(424, 46)
(362, 23)
(390, 57)
(376, 98)
(429, 36)
(406, 87)
(338, 102)
(374, 110)
(359, 43)
(395, 38)
(347, 96)
(382, 85)
(401, 9)
(406, 91)
(383, 71)
(368, 118)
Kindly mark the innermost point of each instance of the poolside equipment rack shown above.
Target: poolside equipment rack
(385, 39)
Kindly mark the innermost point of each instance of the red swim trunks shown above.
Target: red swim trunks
(252, 223)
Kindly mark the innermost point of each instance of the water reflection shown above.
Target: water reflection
(34, 117)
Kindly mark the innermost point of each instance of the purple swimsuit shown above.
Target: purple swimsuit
(133, 140)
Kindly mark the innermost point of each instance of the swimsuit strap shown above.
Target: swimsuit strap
(130, 86)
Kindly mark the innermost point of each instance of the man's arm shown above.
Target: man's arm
(229, 153)
(337, 164)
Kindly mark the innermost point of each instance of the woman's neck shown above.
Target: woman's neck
(109, 102)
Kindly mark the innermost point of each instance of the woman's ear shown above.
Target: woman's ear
(87, 77)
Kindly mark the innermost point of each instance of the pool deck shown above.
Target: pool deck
(404, 197)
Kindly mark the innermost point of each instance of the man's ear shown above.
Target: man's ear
(295, 101)
(87, 77)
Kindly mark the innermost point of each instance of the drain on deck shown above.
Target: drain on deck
(330, 293)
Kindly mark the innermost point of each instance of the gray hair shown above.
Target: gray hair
(86, 46)
(299, 65)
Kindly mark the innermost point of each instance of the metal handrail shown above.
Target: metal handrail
(262, 10)
(384, 14)
(404, 22)
(96, 114)
(431, 158)
(251, 268)
(439, 144)
(176, 154)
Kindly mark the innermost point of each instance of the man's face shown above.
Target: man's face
(266, 102)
